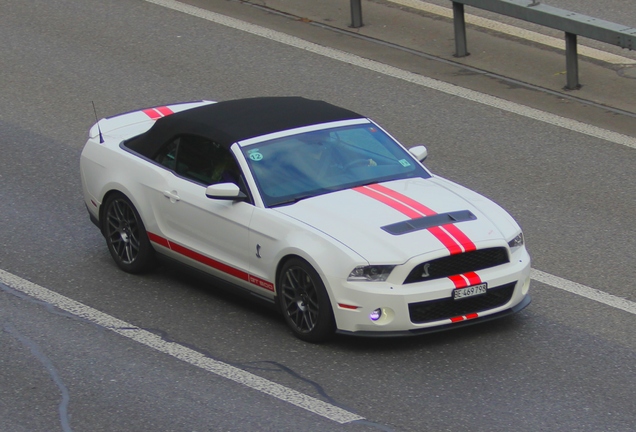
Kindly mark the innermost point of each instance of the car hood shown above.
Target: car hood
(356, 217)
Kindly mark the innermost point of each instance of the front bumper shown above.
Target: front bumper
(427, 330)
(427, 307)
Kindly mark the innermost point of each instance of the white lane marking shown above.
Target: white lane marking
(517, 32)
(394, 72)
(180, 352)
(584, 291)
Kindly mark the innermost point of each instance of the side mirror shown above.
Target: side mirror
(419, 152)
(224, 191)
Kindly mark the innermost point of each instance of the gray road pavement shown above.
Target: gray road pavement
(505, 65)
(565, 363)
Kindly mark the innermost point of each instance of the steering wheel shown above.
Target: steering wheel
(357, 163)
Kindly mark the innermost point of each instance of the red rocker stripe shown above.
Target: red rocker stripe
(240, 274)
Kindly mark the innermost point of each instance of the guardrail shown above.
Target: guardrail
(356, 13)
(573, 24)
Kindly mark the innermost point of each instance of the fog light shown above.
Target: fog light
(376, 314)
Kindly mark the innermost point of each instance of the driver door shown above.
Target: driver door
(209, 234)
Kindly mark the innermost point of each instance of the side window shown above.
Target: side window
(199, 159)
(167, 156)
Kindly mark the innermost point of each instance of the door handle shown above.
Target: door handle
(172, 196)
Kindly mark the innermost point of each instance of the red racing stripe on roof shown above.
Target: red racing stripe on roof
(164, 110)
(157, 112)
(152, 113)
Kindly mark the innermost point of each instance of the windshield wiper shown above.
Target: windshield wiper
(293, 200)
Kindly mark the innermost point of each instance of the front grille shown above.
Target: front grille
(436, 310)
(458, 264)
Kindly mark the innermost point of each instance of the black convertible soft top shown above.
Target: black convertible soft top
(228, 122)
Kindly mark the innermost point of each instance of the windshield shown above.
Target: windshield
(313, 163)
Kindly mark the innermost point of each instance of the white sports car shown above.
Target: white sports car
(310, 206)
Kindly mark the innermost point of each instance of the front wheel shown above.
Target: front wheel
(126, 236)
(304, 302)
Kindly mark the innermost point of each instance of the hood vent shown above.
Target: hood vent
(427, 222)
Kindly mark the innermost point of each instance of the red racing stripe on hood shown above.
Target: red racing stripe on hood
(421, 208)
(449, 235)
(409, 211)
(366, 190)
(455, 244)
(453, 231)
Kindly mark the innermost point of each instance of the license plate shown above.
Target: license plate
(470, 291)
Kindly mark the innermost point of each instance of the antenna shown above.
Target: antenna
(101, 137)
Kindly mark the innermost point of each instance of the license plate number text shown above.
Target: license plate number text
(470, 291)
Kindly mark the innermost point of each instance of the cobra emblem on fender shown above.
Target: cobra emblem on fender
(425, 272)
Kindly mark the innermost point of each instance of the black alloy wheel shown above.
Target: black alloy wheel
(126, 236)
(304, 302)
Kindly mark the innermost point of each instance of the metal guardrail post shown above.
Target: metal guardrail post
(571, 62)
(356, 13)
(573, 24)
(459, 22)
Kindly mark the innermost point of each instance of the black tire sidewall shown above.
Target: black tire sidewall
(145, 259)
(325, 327)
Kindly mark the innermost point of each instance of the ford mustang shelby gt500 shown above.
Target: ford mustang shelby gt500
(308, 205)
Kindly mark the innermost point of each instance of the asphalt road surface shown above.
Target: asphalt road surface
(86, 347)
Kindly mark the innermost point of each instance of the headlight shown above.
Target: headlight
(374, 273)
(516, 242)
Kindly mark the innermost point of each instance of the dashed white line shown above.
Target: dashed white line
(584, 291)
(180, 352)
(394, 72)
(250, 380)
(240, 376)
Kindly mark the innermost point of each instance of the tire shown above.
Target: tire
(304, 302)
(126, 236)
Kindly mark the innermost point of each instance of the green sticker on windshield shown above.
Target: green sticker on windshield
(404, 162)
(255, 155)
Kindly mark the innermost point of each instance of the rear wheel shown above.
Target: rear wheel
(304, 302)
(126, 236)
